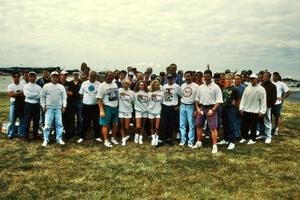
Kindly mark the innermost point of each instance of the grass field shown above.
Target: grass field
(90, 171)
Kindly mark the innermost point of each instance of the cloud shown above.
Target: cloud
(121, 32)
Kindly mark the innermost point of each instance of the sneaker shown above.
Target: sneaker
(268, 140)
(40, 131)
(257, 133)
(157, 140)
(107, 144)
(127, 137)
(242, 141)
(197, 145)
(153, 140)
(181, 143)
(141, 139)
(123, 141)
(110, 132)
(44, 143)
(251, 142)
(98, 140)
(214, 149)
(80, 140)
(222, 142)
(136, 138)
(61, 142)
(190, 145)
(231, 146)
(276, 131)
(114, 141)
(178, 136)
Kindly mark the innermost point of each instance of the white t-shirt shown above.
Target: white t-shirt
(141, 101)
(171, 94)
(189, 92)
(89, 92)
(14, 88)
(108, 92)
(209, 94)
(126, 98)
(281, 88)
(155, 100)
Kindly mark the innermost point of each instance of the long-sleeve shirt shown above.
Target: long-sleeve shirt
(54, 96)
(141, 101)
(271, 92)
(155, 99)
(32, 93)
(254, 100)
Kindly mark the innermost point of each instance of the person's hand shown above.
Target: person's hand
(210, 113)
(260, 114)
(69, 93)
(242, 113)
(280, 98)
(63, 109)
(176, 108)
(44, 109)
(102, 114)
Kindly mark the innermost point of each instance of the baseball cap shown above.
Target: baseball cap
(54, 73)
(64, 72)
(253, 76)
(31, 73)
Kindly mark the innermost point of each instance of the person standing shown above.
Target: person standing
(53, 102)
(187, 109)
(169, 112)
(32, 93)
(126, 98)
(207, 102)
(271, 92)
(107, 96)
(154, 109)
(252, 106)
(90, 109)
(15, 92)
(282, 93)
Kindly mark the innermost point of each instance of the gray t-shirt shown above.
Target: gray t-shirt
(171, 94)
(126, 98)
(141, 101)
(189, 92)
(108, 92)
(155, 100)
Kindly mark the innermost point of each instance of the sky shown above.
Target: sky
(112, 34)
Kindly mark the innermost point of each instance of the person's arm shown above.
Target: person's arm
(81, 90)
(30, 94)
(263, 103)
(43, 99)
(64, 100)
(101, 108)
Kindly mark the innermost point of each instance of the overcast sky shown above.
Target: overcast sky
(190, 33)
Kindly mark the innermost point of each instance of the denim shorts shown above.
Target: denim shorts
(276, 110)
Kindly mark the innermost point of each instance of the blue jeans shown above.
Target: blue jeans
(12, 121)
(53, 114)
(229, 120)
(76, 111)
(186, 115)
(237, 130)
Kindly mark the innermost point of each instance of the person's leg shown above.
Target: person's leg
(182, 122)
(35, 119)
(86, 121)
(268, 124)
(191, 123)
(12, 120)
(152, 126)
(122, 124)
(237, 124)
(105, 132)
(225, 122)
(27, 118)
(253, 120)
(126, 126)
(58, 124)
(95, 118)
(245, 126)
(49, 116)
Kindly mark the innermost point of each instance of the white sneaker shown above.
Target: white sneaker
(99, 140)
(107, 144)
(153, 140)
(268, 140)
(136, 138)
(222, 142)
(80, 140)
(276, 131)
(231, 146)
(242, 141)
(109, 132)
(178, 136)
(44, 143)
(197, 145)
(61, 142)
(257, 133)
(251, 142)
(141, 139)
(123, 141)
(214, 149)
(190, 145)
(127, 137)
(157, 140)
(181, 143)
(114, 141)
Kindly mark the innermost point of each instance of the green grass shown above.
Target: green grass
(90, 171)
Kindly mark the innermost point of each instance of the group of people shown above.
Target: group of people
(185, 105)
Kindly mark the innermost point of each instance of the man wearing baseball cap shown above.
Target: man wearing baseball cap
(253, 105)
(53, 102)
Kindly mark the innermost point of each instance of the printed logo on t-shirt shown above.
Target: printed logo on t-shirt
(112, 94)
(155, 97)
(169, 94)
(124, 96)
(142, 98)
(187, 92)
(91, 89)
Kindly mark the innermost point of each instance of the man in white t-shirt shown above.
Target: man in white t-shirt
(187, 109)
(108, 100)
(17, 103)
(282, 93)
(172, 93)
(90, 110)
